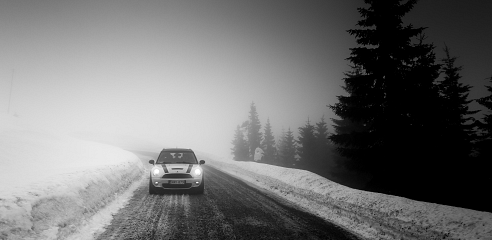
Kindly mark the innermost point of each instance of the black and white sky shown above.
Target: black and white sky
(185, 72)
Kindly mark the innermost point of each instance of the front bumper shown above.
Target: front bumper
(165, 182)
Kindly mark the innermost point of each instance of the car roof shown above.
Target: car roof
(177, 150)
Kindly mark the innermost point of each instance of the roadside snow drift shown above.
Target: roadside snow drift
(369, 215)
(50, 184)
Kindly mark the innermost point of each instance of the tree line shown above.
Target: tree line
(404, 121)
(311, 149)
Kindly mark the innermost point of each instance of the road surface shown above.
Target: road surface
(229, 209)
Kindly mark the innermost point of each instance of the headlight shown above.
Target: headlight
(155, 172)
(198, 172)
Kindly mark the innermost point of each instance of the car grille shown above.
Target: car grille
(177, 175)
(186, 185)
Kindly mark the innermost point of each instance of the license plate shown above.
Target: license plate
(176, 182)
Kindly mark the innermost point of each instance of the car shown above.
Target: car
(176, 169)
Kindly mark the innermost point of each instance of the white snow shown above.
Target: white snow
(51, 184)
(93, 227)
(370, 215)
(56, 187)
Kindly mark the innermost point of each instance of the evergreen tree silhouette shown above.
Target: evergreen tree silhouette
(287, 151)
(254, 134)
(307, 145)
(484, 145)
(324, 160)
(348, 130)
(279, 145)
(268, 143)
(240, 149)
(458, 127)
(394, 98)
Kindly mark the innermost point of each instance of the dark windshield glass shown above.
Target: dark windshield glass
(176, 157)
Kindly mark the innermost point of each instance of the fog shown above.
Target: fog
(178, 73)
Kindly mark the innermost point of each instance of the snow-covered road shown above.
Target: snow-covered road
(228, 209)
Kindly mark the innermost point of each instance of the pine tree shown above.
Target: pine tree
(323, 146)
(279, 145)
(458, 135)
(347, 130)
(254, 134)
(307, 145)
(484, 145)
(240, 148)
(287, 151)
(394, 98)
(480, 163)
(268, 143)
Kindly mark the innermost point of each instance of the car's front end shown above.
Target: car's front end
(176, 169)
(176, 176)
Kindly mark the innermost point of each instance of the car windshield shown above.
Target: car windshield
(176, 157)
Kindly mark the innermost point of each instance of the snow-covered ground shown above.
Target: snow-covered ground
(370, 215)
(52, 184)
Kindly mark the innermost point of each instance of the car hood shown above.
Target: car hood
(178, 167)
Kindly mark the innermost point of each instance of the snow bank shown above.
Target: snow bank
(51, 184)
(370, 215)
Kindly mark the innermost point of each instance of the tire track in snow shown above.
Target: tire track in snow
(229, 209)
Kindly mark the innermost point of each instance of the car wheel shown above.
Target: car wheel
(152, 188)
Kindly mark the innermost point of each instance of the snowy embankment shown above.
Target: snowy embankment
(370, 215)
(52, 184)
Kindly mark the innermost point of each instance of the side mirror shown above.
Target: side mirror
(152, 161)
(202, 162)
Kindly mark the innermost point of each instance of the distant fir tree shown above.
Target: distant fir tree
(287, 150)
(278, 146)
(394, 98)
(321, 134)
(268, 143)
(254, 134)
(240, 148)
(307, 145)
(324, 147)
(458, 132)
(484, 145)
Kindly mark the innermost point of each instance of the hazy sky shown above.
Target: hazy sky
(185, 72)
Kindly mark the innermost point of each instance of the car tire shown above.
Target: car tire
(152, 188)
